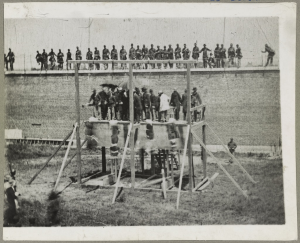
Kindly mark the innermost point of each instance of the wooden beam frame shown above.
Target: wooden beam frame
(131, 114)
(131, 62)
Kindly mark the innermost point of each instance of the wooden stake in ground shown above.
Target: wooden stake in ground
(182, 165)
(122, 162)
(164, 183)
(65, 158)
(48, 160)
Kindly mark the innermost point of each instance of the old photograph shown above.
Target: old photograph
(149, 119)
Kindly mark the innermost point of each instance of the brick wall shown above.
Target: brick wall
(244, 105)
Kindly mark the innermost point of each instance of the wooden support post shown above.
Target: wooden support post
(116, 169)
(48, 160)
(142, 151)
(204, 155)
(152, 164)
(182, 165)
(66, 156)
(122, 162)
(172, 167)
(132, 162)
(167, 162)
(103, 159)
(190, 152)
(164, 183)
(77, 102)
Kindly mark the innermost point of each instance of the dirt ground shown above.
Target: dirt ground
(221, 203)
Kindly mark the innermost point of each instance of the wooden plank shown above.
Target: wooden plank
(172, 167)
(204, 155)
(142, 182)
(190, 151)
(49, 159)
(131, 113)
(164, 183)
(65, 158)
(103, 159)
(220, 165)
(77, 103)
(182, 166)
(122, 162)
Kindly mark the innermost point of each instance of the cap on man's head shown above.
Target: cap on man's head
(150, 90)
(231, 138)
(151, 44)
(68, 49)
(113, 45)
(160, 92)
(93, 89)
(77, 47)
(204, 44)
(43, 49)
(195, 88)
(122, 46)
(132, 44)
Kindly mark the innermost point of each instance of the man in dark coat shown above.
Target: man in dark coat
(186, 54)
(69, 57)
(38, 58)
(45, 60)
(137, 107)
(125, 107)
(231, 55)
(171, 55)
(60, 59)
(239, 55)
(146, 103)
(89, 56)
(105, 56)
(204, 55)
(196, 101)
(97, 57)
(123, 56)
(102, 100)
(114, 56)
(112, 104)
(152, 55)
(222, 54)
(184, 104)
(195, 54)
(11, 196)
(132, 54)
(175, 102)
(145, 52)
(177, 55)
(78, 56)
(158, 56)
(154, 100)
(6, 61)
(217, 56)
(211, 61)
(93, 102)
(139, 56)
(232, 146)
(271, 54)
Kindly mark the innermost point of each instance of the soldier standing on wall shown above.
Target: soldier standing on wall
(222, 55)
(186, 54)
(171, 55)
(97, 57)
(11, 59)
(60, 60)
(204, 55)
(231, 55)
(52, 61)
(132, 54)
(152, 55)
(69, 57)
(232, 146)
(145, 52)
(238, 55)
(211, 61)
(195, 55)
(271, 54)
(114, 55)
(45, 60)
(78, 56)
(217, 56)
(51, 53)
(165, 56)
(39, 57)
(105, 56)
(177, 55)
(158, 56)
(139, 56)
(89, 56)
(123, 56)
(6, 62)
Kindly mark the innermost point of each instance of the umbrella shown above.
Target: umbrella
(111, 86)
(125, 84)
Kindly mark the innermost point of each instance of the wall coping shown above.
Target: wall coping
(135, 71)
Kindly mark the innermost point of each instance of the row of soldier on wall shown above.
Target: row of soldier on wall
(218, 59)
(113, 104)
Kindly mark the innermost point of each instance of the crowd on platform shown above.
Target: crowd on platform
(213, 59)
(113, 104)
